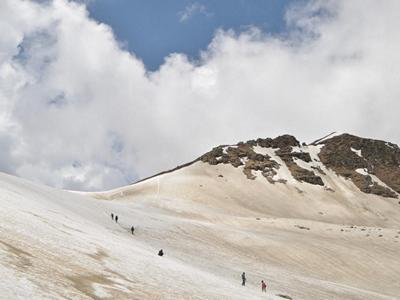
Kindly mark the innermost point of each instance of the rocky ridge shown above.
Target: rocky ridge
(372, 165)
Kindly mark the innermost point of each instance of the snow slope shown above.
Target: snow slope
(306, 242)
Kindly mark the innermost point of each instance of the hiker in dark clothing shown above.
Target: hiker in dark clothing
(116, 219)
(244, 279)
(132, 229)
(161, 252)
(112, 216)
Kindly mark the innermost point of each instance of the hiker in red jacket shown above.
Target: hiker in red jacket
(263, 286)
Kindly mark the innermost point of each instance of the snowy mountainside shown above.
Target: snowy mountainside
(283, 178)
(60, 245)
(257, 207)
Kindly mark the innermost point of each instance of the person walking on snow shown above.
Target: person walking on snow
(132, 229)
(112, 216)
(116, 219)
(263, 286)
(244, 279)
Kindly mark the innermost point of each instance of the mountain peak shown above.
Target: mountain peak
(372, 165)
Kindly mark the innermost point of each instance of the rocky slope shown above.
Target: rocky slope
(372, 165)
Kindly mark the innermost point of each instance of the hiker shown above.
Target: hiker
(244, 279)
(263, 286)
(161, 252)
(112, 216)
(132, 229)
(116, 219)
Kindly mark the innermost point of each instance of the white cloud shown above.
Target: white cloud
(191, 10)
(77, 111)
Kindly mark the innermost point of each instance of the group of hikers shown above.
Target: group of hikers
(161, 253)
(263, 284)
(115, 218)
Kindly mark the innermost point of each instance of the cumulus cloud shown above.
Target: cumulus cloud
(77, 111)
(191, 10)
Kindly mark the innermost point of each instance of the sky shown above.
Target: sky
(154, 29)
(97, 94)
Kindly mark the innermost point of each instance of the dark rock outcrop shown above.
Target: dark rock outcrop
(243, 155)
(378, 158)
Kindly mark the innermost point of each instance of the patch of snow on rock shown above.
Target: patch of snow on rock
(283, 173)
(329, 136)
(374, 178)
(261, 150)
(358, 152)
(302, 164)
(389, 145)
(362, 171)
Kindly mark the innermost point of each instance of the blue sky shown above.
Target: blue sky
(152, 29)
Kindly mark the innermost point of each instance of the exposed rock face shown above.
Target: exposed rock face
(243, 154)
(345, 154)
(298, 172)
(283, 142)
(373, 166)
